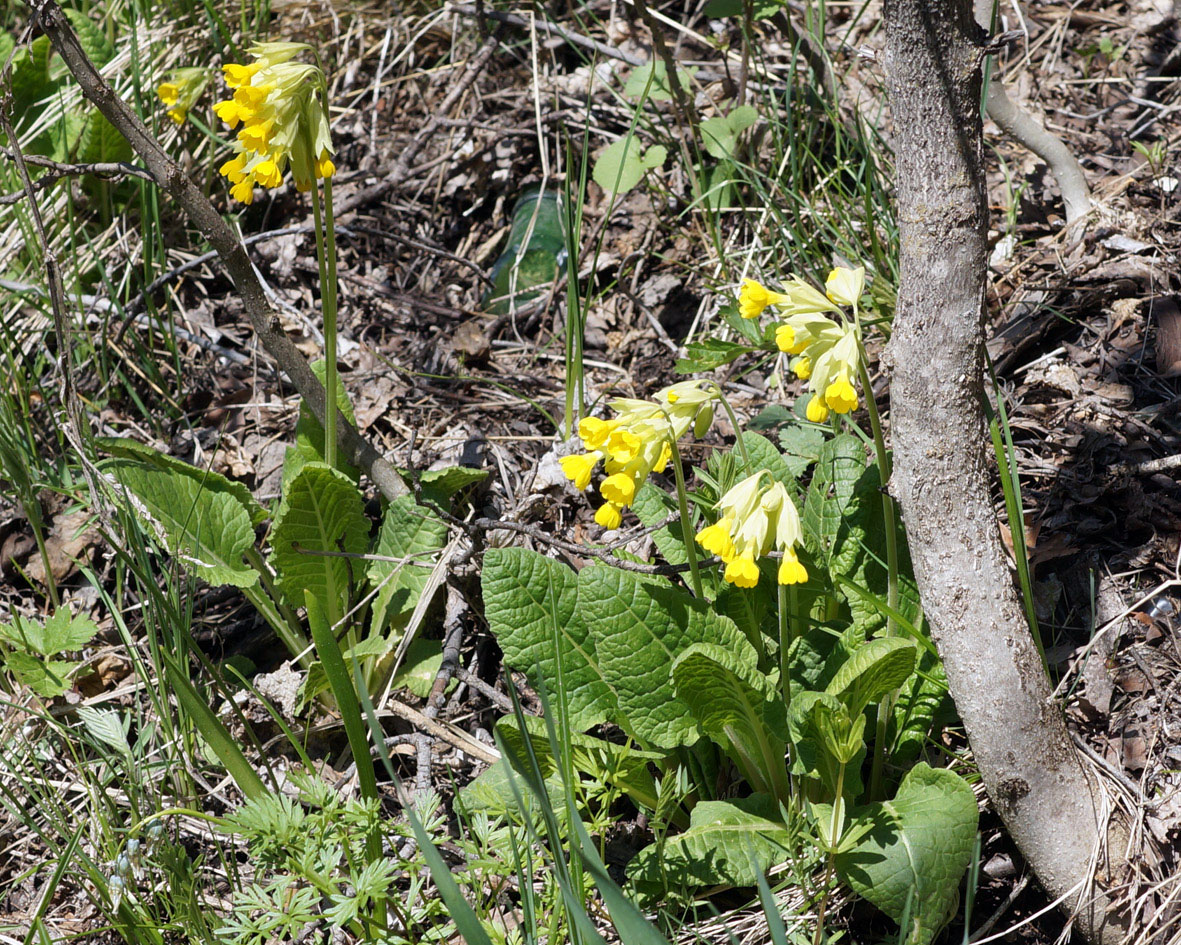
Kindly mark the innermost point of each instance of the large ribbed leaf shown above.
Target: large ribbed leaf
(912, 860)
(321, 511)
(207, 528)
(530, 600)
(727, 842)
(639, 627)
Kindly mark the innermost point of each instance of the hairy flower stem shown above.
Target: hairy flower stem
(883, 461)
(686, 521)
(326, 257)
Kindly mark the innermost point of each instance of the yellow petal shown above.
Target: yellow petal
(817, 410)
(715, 539)
(841, 396)
(168, 92)
(608, 516)
(619, 488)
(579, 467)
(742, 572)
(243, 191)
(790, 569)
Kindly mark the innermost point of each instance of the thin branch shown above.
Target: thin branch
(169, 176)
(56, 170)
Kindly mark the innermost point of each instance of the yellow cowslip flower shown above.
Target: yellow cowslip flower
(755, 517)
(753, 297)
(845, 286)
(579, 468)
(831, 373)
(609, 515)
(181, 90)
(817, 410)
(637, 442)
(281, 106)
(716, 540)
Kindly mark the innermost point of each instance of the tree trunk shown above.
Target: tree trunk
(1050, 804)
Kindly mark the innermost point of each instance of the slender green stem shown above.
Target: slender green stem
(750, 470)
(883, 461)
(326, 257)
(785, 637)
(686, 521)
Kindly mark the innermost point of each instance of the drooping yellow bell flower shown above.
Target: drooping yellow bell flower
(181, 90)
(755, 516)
(280, 104)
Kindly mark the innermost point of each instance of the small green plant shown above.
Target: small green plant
(1155, 154)
(781, 685)
(32, 647)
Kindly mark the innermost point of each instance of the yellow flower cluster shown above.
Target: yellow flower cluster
(637, 442)
(281, 107)
(181, 90)
(754, 517)
(827, 352)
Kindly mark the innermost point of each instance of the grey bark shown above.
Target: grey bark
(1023, 127)
(1049, 803)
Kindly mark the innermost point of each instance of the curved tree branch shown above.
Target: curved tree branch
(1052, 807)
(1022, 127)
(168, 176)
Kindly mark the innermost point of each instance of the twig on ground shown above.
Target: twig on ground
(1021, 126)
(56, 170)
(171, 178)
(545, 26)
(402, 169)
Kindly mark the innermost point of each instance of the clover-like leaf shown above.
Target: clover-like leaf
(529, 601)
(912, 859)
(621, 165)
(652, 77)
(720, 133)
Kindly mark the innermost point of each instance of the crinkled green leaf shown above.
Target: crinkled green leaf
(420, 668)
(728, 842)
(93, 40)
(801, 446)
(309, 433)
(413, 535)
(639, 627)
(918, 848)
(126, 448)
(529, 600)
(764, 455)
(30, 76)
(875, 668)
(101, 143)
(812, 723)
(321, 511)
(922, 705)
(439, 485)
(753, 611)
(653, 506)
(838, 467)
(707, 354)
(859, 555)
(737, 706)
(720, 133)
(622, 165)
(207, 529)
